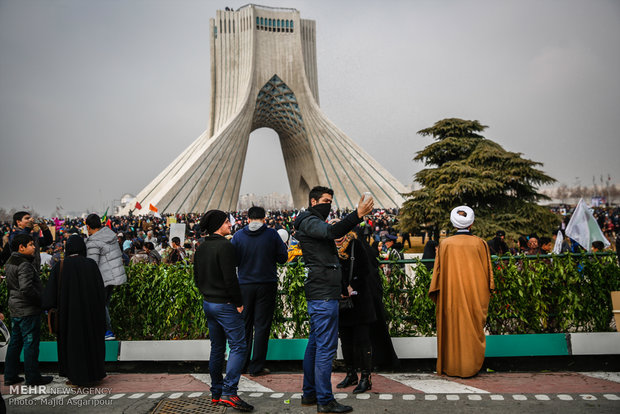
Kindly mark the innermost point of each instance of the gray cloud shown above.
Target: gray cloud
(96, 98)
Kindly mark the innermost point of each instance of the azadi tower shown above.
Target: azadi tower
(264, 74)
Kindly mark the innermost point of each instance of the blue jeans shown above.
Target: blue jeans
(322, 346)
(225, 323)
(26, 333)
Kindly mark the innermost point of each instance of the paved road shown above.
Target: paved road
(565, 392)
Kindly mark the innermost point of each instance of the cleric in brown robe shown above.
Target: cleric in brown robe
(461, 285)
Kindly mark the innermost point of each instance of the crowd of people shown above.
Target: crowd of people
(235, 258)
(146, 239)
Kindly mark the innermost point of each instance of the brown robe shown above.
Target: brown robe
(462, 280)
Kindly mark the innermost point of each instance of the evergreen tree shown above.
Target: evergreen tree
(464, 168)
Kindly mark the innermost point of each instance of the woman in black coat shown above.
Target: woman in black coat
(355, 322)
(75, 288)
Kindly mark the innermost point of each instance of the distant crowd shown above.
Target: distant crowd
(146, 239)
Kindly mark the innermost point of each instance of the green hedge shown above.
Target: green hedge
(567, 293)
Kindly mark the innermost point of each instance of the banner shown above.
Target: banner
(583, 227)
(177, 230)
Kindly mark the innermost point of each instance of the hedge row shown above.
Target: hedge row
(567, 293)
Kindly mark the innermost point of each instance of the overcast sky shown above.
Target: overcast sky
(97, 97)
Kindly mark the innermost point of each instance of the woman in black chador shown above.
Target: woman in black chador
(75, 288)
(357, 322)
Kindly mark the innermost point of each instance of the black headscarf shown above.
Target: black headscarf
(75, 245)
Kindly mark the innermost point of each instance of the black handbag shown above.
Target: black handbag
(347, 303)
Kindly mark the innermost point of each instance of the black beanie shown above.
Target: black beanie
(212, 221)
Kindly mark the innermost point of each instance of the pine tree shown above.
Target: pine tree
(464, 168)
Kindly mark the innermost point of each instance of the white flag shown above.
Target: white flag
(557, 248)
(583, 227)
(232, 219)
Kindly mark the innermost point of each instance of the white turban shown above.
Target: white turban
(459, 221)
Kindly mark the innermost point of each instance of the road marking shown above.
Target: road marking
(256, 394)
(298, 395)
(612, 397)
(432, 384)
(23, 397)
(195, 394)
(542, 397)
(519, 397)
(385, 396)
(588, 397)
(565, 397)
(136, 395)
(430, 397)
(99, 396)
(453, 397)
(609, 376)
(60, 397)
(496, 397)
(41, 397)
(245, 384)
(340, 396)
(363, 396)
(277, 395)
(79, 397)
(156, 395)
(116, 396)
(408, 397)
(474, 397)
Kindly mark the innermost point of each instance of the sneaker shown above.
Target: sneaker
(109, 336)
(333, 407)
(13, 381)
(42, 380)
(235, 402)
(215, 398)
(308, 400)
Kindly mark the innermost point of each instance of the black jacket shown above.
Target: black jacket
(316, 239)
(24, 286)
(214, 271)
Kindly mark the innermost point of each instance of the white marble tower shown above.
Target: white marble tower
(264, 74)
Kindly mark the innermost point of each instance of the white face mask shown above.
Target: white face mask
(255, 225)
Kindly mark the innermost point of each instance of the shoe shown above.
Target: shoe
(264, 371)
(233, 401)
(13, 381)
(109, 336)
(350, 379)
(308, 400)
(333, 407)
(364, 385)
(42, 380)
(215, 398)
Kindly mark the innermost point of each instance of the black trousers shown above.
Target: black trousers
(355, 336)
(259, 303)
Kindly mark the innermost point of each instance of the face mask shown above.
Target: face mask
(255, 225)
(323, 209)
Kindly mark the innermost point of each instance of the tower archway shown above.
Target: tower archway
(265, 76)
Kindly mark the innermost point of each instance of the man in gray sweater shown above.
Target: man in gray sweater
(102, 246)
